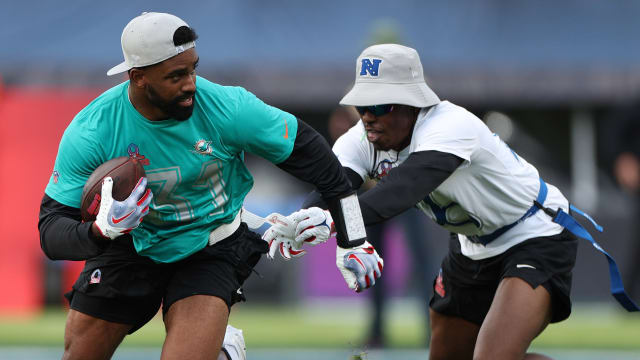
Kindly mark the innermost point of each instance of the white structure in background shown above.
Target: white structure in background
(500, 124)
(584, 169)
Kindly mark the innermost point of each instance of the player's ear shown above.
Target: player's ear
(136, 76)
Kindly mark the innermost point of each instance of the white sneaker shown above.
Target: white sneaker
(233, 344)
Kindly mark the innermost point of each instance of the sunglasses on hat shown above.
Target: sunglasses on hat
(377, 110)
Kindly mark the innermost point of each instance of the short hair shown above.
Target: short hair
(183, 35)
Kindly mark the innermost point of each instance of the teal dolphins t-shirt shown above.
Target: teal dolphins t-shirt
(195, 167)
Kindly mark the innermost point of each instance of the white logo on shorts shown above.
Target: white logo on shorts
(96, 275)
(524, 266)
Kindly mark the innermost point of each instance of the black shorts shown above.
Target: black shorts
(465, 288)
(124, 287)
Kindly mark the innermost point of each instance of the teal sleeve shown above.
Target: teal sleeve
(264, 130)
(77, 157)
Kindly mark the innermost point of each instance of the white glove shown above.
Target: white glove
(313, 226)
(116, 218)
(279, 235)
(360, 266)
(309, 226)
(285, 246)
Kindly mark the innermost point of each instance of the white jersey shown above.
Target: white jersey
(492, 188)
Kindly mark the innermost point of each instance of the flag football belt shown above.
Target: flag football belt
(570, 223)
(279, 223)
(225, 230)
(485, 239)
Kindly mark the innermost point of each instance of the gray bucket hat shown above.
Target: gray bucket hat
(389, 74)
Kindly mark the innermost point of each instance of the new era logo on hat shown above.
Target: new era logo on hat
(390, 74)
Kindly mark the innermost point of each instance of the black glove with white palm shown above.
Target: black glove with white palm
(360, 266)
(116, 218)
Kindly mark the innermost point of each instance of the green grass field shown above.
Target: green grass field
(336, 325)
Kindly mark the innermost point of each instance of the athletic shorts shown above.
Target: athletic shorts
(465, 288)
(123, 287)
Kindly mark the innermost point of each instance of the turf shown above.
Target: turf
(335, 325)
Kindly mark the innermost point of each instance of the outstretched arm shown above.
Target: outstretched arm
(401, 189)
(407, 184)
(312, 160)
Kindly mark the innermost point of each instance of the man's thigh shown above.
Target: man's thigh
(465, 288)
(195, 328)
(517, 315)
(218, 270)
(87, 337)
(119, 286)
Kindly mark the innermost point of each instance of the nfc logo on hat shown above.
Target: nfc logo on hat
(370, 67)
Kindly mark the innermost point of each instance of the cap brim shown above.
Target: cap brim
(374, 93)
(122, 67)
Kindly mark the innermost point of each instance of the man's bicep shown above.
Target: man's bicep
(78, 155)
(312, 161)
(263, 130)
(456, 135)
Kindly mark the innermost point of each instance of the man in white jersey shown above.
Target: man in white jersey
(508, 272)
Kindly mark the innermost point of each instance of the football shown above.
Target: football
(125, 172)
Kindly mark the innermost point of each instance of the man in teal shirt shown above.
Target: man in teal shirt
(192, 253)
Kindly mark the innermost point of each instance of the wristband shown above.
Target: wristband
(347, 218)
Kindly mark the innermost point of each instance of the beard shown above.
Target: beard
(172, 108)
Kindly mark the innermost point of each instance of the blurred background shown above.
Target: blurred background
(559, 81)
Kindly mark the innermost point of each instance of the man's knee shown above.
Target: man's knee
(195, 327)
(442, 348)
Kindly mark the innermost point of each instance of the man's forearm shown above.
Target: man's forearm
(315, 198)
(407, 184)
(63, 236)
